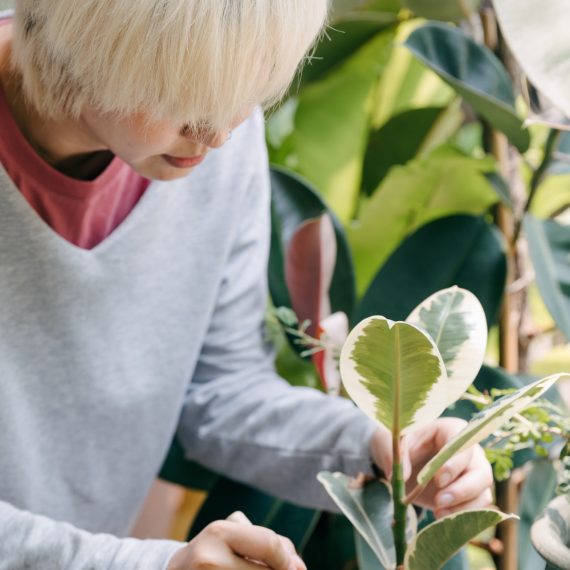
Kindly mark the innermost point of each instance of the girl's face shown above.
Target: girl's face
(156, 150)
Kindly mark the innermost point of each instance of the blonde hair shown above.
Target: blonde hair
(191, 61)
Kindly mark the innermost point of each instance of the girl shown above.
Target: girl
(133, 249)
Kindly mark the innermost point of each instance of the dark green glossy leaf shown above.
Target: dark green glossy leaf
(549, 246)
(177, 469)
(227, 496)
(444, 10)
(400, 139)
(459, 250)
(474, 72)
(341, 41)
(293, 202)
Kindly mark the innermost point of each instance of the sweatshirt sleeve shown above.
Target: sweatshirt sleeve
(34, 541)
(240, 418)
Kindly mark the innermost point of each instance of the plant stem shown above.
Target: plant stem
(400, 508)
(537, 176)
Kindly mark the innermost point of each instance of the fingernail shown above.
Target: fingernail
(444, 500)
(444, 480)
(300, 564)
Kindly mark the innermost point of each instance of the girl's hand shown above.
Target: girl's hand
(236, 544)
(464, 482)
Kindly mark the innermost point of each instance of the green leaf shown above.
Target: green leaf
(542, 50)
(328, 151)
(501, 188)
(486, 422)
(460, 250)
(370, 509)
(474, 72)
(412, 132)
(455, 320)
(549, 247)
(394, 373)
(438, 542)
(439, 185)
(407, 84)
(365, 556)
(552, 196)
(444, 10)
(294, 202)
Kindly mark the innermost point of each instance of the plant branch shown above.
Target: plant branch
(537, 176)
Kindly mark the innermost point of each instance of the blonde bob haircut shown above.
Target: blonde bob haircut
(193, 62)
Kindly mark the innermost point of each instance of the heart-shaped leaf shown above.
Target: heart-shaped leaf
(549, 247)
(486, 422)
(369, 508)
(394, 373)
(455, 320)
(474, 72)
(439, 541)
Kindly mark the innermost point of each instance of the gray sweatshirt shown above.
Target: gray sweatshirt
(106, 354)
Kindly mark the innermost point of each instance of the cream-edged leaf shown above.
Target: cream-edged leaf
(438, 542)
(486, 422)
(394, 373)
(455, 320)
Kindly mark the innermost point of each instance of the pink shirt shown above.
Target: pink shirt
(82, 212)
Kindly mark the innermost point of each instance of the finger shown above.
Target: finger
(260, 544)
(405, 457)
(239, 517)
(466, 488)
(454, 468)
(484, 501)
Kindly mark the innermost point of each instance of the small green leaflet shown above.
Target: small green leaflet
(486, 422)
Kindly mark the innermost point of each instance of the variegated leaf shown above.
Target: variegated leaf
(394, 373)
(439, 541)
(370, 509)
(455, 320)
(486, 422)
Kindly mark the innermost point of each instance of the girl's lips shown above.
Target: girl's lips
(183, 162)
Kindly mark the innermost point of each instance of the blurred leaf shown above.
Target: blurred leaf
(294, 202)
(551, 533)
(538, 489)
(439, 185)
(459, 250)
(367, 560)
(370, 509)
(552, 196)
(341, 41)
(309, 266)
(542, 50)
(444, 10)
(555, 360)
(455, 320)
(438, 542)
(227, 496)
(329, 151)
(486, 422)
(403, 137)
(474, 72)
(406, 83)
(501, 188)
(549, 247)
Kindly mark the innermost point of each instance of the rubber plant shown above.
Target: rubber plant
(404, 374)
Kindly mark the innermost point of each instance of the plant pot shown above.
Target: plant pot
(550, 534)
